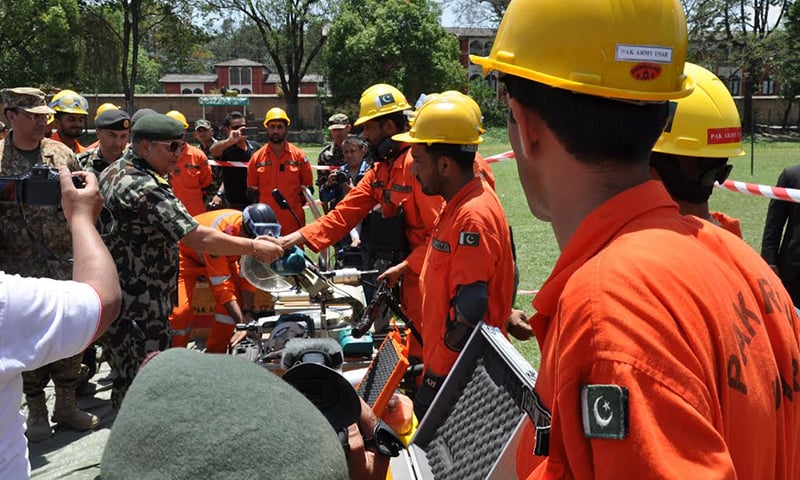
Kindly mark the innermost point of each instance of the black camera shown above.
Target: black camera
(249, 131)
(39, 186)
(340, 177)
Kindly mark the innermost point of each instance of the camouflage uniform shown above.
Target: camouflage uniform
(145, 224)
(92, 161)
(35, 242)
(330, 155)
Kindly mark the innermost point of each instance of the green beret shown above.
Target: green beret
(113, 120)
(190, 415)
(157, 126)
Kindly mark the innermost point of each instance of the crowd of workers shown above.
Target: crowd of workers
(669, 347)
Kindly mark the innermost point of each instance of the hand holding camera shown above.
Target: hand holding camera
(80, 195)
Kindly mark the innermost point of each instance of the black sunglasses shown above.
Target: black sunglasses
(174, 145)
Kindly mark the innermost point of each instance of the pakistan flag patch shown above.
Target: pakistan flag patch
(470, 239)
(605, 411)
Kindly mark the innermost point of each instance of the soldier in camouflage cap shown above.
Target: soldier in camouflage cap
(34, 242)
(332, 154)
(113, 129)
(145, 223)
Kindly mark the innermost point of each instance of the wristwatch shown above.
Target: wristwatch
(384, 440)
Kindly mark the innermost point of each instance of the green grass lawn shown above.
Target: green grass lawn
(536, 246)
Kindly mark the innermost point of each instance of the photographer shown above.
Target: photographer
(235, 148)
(45, 319)
(35, 242)
(339, 182)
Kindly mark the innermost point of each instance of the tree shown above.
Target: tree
(478, 13)
(37, 44)
(238, 40)
(786, 60)
(399, 42)
(741, 31)
(293, 32)
(139, 19)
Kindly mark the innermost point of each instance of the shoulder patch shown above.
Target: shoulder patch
(470, 239)
(440, 245)
(605, 411)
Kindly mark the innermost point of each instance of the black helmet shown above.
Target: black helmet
(259, 219)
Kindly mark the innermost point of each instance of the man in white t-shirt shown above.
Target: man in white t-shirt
(43, 320)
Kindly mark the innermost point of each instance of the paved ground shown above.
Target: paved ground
(71, 454)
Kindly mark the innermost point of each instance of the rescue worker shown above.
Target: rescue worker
(481, 166)
(69, 119)
(400, 229)
(145, 222)
(236, 147)
(468, 272)
(332, 155)
(192, 174)
(113, 128)
(280, 165)
(35, 242)
(692, 154)
(669, 348)
(204, 134)
(233, 295)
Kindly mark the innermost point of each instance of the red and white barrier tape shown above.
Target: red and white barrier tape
(220, 163)
(768, 191)
(500, 157)
(777, 193)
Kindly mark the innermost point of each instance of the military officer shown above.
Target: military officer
(113, 132)
(145, 221)
(34, 242)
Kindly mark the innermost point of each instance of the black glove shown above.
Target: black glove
(426, 393)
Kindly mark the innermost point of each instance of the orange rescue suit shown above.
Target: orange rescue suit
(222, 273)
(289, 174)
(692, 324)
(481, 168)
(78, 147)
(191, 176)
(727, 222)
(470, 243)
(390, 185)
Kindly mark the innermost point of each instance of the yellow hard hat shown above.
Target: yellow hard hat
(276, 114)
(380, 99)
(176, 115)
(446, 119)
(619, 49)
(102, 108)
(68, 101)
(704, 124)
(470, 101)
(411, 115)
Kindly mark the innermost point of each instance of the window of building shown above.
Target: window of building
(192, 88)
(241, 78)
(768, 86)
(734, 85)
(476, 48)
